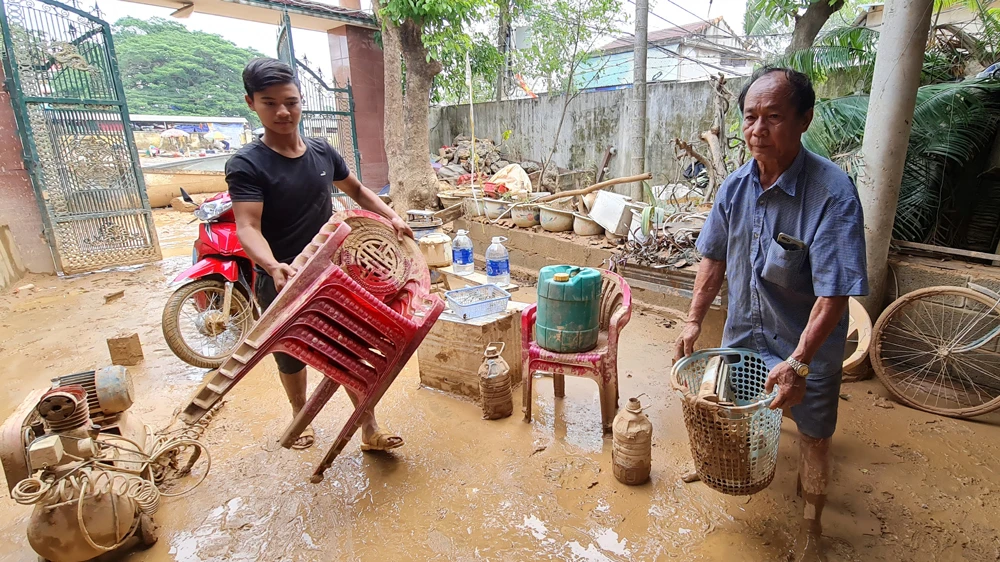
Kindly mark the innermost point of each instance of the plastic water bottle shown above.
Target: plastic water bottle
(498, 263)
(461, 254)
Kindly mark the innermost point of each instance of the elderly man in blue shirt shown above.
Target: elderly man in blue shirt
(787, 232)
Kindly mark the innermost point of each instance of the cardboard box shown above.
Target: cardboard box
(452, 352)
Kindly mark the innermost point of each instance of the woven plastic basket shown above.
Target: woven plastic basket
(735, 448)
(476, 301)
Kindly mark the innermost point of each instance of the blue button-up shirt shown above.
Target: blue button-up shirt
(772, 286)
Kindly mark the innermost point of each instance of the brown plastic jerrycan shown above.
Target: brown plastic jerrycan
(494, 384)
(632, 442)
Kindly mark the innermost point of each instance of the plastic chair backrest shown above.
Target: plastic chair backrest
(612, 296)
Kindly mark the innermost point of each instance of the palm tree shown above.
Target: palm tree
(954, 122)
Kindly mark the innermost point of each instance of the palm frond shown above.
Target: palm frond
(952, 124)
(838, 126)
(848, 51)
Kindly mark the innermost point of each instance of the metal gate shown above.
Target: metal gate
(77, 139)
(327, 111)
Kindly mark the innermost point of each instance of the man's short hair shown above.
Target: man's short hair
(803, 95)
(260, 74)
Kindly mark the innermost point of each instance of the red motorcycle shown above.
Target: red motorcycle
(207, 317)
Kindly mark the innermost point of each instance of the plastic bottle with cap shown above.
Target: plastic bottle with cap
(498, 263)
(461, 254)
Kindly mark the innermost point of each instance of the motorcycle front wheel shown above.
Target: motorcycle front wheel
(196, 328)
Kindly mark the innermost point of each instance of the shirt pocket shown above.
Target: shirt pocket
(786, 268)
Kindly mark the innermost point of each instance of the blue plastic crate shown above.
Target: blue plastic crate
(481, 300)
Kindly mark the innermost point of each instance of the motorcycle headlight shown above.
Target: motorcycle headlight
(211, 210)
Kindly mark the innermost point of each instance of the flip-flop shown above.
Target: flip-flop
(382, 441)
(305, 440)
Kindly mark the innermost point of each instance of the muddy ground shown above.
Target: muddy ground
(906, 486)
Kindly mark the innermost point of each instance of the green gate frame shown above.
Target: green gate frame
(89, 222)
(321, 102)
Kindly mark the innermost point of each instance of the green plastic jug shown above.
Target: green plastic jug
(569, 308)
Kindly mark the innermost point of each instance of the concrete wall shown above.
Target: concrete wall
(164, 185)
(18, 206)
(11, 266)
(594, 121)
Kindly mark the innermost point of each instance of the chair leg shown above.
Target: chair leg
(526, 390)
(320, 396)
(559, 385)
(609, 402)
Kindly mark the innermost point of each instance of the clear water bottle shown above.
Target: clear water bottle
(498, 263)
(461, 254)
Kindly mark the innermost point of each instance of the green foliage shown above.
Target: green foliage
(952, 123)
(565, 35)
(445, 26)
(486, 60)
(169, 69)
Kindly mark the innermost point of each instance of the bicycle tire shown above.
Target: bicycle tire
(885, 370)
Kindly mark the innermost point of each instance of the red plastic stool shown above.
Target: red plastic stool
(357, 308)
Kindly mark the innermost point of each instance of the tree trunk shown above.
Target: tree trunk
(393, 108)
(407, 147)
(807, 25)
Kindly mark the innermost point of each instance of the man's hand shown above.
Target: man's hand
(685, 342)
(402, 229)
(281, 273)
(791, 387)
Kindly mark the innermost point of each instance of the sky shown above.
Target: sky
(263, 37)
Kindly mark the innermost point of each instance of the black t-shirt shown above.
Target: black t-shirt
(296, 192)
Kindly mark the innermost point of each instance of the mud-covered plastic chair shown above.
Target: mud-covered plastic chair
(357, 308)
(599, 364)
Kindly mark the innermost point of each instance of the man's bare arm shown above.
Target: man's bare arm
(369, 201)
(823, 318)
(248, 230)
(707, 284)
(825, 315)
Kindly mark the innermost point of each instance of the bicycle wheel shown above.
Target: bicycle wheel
(938, 350)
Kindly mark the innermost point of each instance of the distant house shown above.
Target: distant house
(686, 53)
(958, 15)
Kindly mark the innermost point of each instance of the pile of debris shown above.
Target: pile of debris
(663, 241)
(452, 162)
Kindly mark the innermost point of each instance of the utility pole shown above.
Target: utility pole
(504, 44)
(637, 117)
(887, 131)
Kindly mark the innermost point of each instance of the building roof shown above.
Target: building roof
(664, 35)
(184, 119)
(314, 15)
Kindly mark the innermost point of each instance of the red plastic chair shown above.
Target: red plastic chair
(357, 308)
(599, 364)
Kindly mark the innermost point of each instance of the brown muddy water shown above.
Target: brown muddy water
(906, 485)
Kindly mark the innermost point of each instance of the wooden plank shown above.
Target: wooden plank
(946, 251)
(450, 214)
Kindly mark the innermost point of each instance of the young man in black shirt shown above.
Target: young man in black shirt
(280, 188)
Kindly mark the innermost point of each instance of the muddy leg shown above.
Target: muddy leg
(295, 388)
(371, 435)
(320, 396)
(814, 475)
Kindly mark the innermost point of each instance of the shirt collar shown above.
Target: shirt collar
(787, 180)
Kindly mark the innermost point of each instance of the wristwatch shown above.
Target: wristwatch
(800, 368)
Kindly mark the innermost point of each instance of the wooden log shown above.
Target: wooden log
(595, 187)
(946, 251)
